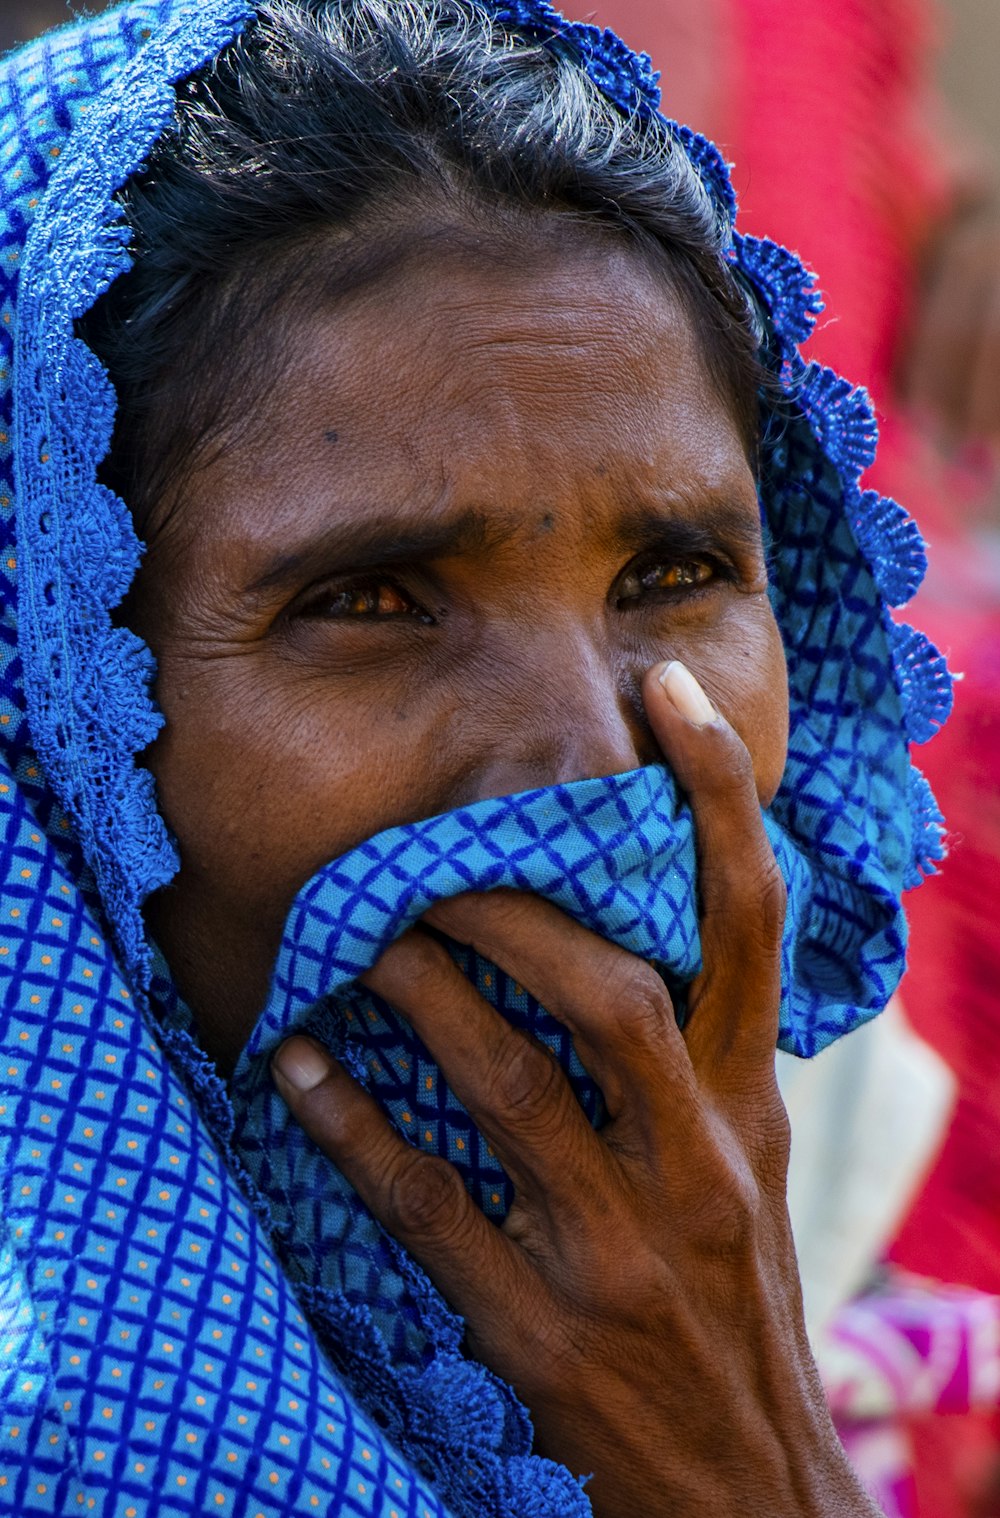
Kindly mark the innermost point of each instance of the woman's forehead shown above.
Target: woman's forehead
(573, 354)
(459, 388)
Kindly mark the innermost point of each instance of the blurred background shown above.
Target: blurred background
(866, 135)
(968, 69)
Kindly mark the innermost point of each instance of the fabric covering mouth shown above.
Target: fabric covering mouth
(619, 856)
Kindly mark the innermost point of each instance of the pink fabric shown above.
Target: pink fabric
(912, 1347)
(835, 156)
(828, 113)
(692, 46)
(882, 1455)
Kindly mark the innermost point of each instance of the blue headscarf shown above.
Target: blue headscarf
(197, 1312)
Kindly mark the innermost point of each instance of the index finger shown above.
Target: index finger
(733, 1006)
(615, 1005)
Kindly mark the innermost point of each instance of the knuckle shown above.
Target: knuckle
(528, 1084)
(503, 908)
(751, 900)
(427, 965)
(499, 921)
(770, 1136)
(726, 1200)
(742, 1211)
(779, 1144)
(729, 1213)
(640, 1004)
(561, 1349)
(425, 1197)
(482, 919)
(732, 777)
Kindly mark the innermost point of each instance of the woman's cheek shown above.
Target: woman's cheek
(343, 783)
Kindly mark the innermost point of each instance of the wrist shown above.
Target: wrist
(787, 1462)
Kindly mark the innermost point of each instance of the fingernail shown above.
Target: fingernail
(301, 1063)
(686, 694)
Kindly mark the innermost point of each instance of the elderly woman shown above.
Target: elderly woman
(521, 644)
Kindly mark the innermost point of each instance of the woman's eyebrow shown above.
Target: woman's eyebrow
(714, 524)
(375, 542)
(372, 542)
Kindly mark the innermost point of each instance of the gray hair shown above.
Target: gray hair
(303, 162)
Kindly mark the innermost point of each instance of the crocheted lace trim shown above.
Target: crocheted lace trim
(87, 682)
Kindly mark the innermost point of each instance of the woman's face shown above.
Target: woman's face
(479, 503)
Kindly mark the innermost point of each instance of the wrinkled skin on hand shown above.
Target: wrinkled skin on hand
(642, 1295)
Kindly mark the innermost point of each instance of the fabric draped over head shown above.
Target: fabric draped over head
(196, 1305)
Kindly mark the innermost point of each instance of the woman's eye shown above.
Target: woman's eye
(370, 598)
(666, 575)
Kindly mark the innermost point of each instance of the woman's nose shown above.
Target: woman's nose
(560, 719)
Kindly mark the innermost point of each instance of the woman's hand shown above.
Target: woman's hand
(642, 1295)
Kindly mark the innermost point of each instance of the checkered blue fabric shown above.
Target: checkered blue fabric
(197, 1315)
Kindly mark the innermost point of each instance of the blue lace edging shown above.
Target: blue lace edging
(842, 421)
(87, 682)
(628, 79)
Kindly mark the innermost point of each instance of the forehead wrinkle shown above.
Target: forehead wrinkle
(604, 324)
(563, 348)
(614, 377)
(595, 408)
(597, 325)
(575, 341)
